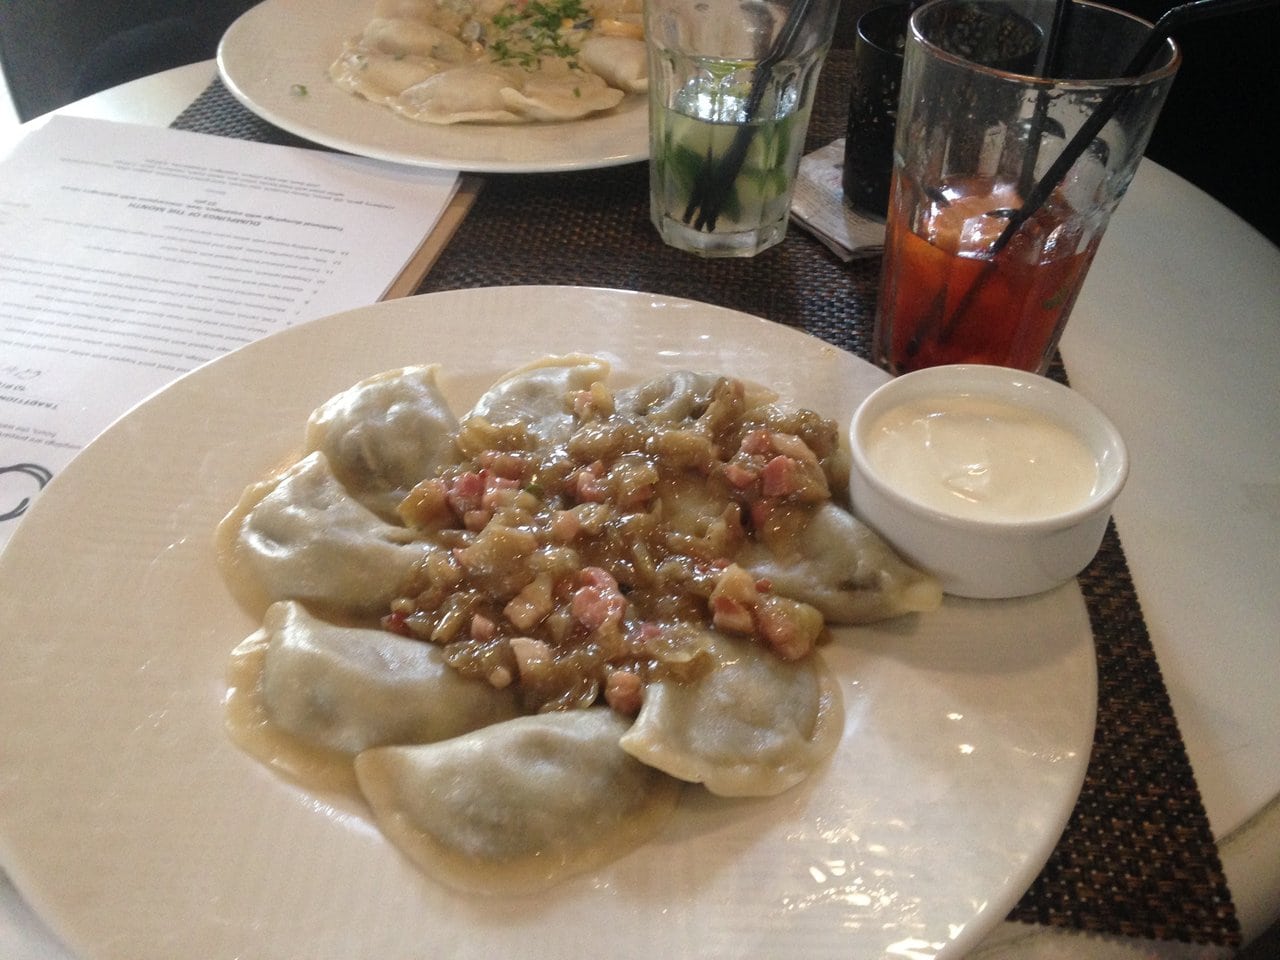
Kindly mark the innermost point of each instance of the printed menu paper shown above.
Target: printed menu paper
(130, 255)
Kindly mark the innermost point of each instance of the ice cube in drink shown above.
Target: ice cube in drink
(945, 298)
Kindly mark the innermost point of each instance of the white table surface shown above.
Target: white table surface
(1177, 337)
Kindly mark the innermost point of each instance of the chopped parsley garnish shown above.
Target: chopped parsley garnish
(536, 30)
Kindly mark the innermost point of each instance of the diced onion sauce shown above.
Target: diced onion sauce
(582, 571)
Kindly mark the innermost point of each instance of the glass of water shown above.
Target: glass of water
(730, 89)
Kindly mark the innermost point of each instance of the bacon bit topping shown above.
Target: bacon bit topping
(744, 605)
(732, 616)
(588, 485)
(624, 691)
(598, 601)
(482, 628)
(780, 477)
(739, 476)
(757, 441)
(465, 493)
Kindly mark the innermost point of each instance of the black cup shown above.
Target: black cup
(873, 108)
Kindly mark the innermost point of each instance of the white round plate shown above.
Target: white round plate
(281, 47)
(140, 832)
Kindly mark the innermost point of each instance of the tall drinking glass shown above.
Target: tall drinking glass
(970, 274)
(730, 89)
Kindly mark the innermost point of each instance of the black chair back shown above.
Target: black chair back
(56, 51)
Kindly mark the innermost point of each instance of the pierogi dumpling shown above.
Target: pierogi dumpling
(670, 398)
(464, 94)
(753, 725)
(621, 61)
(535, 395)
(843, 567)
(560, 95)
(302, 536)
(384, 434)
(403, 36)
(519, 805)
(304, 696)
(380, 77)
(349, 688)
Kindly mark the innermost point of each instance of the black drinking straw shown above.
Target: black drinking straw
(1048, 68)
(1140, 62)
(716, 180)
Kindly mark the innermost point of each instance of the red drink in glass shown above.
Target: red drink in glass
(945, 298)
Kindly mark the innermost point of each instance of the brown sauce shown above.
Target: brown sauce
(583, 570)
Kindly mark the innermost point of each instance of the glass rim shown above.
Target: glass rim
(1165, 70)
(883, 16)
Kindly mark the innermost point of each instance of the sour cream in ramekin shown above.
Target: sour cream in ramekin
(997, 481)
(982, 458)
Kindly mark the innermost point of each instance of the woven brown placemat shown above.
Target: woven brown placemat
(1137, 857)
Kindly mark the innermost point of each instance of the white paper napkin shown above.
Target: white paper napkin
(818, 205)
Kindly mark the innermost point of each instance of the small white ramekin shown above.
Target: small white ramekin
(990, 558)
